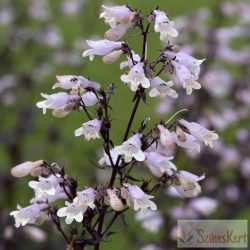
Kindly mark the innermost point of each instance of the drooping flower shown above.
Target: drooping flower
(158, 164)
(200, 132)
(187, 184)
(136, 198)
(26, 168)
(136, 77)
(89, 129)
(72, 211)
(131, 149)
(161, 88)
(76, 209)
(101, 48)
(186, 141)
(54, 101)
(29, 215)
(87, 197)
(45, 186)
(75, 83)
(164, 26)
(184, 77)
(113, 199)
(191, 63)
(117, 14)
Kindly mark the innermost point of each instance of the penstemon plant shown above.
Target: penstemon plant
(96, 209)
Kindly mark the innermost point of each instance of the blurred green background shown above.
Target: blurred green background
(28, 53)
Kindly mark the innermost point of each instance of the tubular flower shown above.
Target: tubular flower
(54, 101)
(117, 14)
(200, 133)
(161, 88)
(89, 129)
(75, 83)
(186, 184)
(164, 26)
(29, 215)
(185, 78)
(136, 77)
(101, 48)
(76, 209)
(45, 186)
(137, 199)
(89, 99)
(116, 33)
(159, 164)
(131, 149)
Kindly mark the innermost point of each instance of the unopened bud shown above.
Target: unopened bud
(25, 168)
(112, 57)
(114, 200)
(151, 18)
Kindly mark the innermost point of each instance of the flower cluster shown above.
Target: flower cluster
(153, 148)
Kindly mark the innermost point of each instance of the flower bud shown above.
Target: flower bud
(166, 138)
(25, 168)
(151, 18)
(124, 193)
(112, 57)
(114, 200)
(60, 113)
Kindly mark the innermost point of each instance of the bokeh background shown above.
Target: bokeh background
(41, 38)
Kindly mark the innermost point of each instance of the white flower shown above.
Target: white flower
(166, 137)
(114, 200)
(89, 99)
(204, 205)
(89, 129)
(200, 133)
(54, 101)
(76, 209)
(45, 186)
(101, 48)
(137, 199)
(26, 168)
(86, 197)
(191, 63)
(72, 211)
(136, 77)
(189, 142)
(184, 77)
(159, 164)
(129, 62)
(161, 88)
(116, 33)
(151, 220)
(117, 14)
(105, 159)
(186, 184)
(112, 57)
(28, 215)
(77, 83)
(164, 26)
(131, 149)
